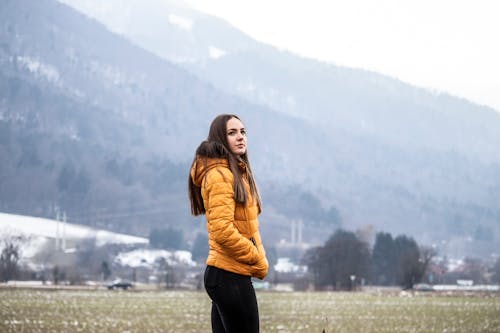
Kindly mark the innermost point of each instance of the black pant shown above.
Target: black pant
(234, 305)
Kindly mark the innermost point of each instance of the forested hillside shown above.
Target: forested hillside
(105, 128)
(102, 129)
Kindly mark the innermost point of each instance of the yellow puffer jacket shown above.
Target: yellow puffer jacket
(234, 239)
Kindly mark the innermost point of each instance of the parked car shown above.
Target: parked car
(120, 284)
(423, 287)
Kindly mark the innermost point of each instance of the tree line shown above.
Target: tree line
(346, 261)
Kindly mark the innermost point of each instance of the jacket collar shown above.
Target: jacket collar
(202, 165)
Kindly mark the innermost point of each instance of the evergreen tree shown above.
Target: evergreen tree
(496, 272)
(105, 270)
(409, 269)
(383, 261)
(341, 260)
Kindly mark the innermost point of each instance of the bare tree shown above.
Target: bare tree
(426, 256)
(412, 261)
(496, 272)
(9, 257)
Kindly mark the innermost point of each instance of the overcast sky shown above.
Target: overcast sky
(445, 45)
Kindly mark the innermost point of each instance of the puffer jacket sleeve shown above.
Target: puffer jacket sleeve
(220, 215)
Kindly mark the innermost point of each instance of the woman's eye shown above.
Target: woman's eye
(242, 132)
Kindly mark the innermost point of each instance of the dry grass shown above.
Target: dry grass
(23, 310)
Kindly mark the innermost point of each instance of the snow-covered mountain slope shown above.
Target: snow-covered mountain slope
(39, 230)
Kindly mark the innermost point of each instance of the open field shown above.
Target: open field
(25, 310)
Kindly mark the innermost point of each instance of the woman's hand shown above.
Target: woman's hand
(261, 268)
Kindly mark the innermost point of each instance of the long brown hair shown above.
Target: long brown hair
(216, 146)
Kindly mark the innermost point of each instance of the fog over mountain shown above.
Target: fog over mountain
(101, 116)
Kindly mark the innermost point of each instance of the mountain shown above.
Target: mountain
(104, 124)
(337, 99)
(104, 130)
(432, 157)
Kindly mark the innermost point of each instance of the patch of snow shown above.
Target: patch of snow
(455, 264)
(284, 265)
(39, 230)
(215, 53)
(107, 237)
(147, 258)
(181, 22)
(39, 69)
(32, 246)
(110, 73)
(72, 133)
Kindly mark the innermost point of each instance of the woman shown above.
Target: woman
(222, 187)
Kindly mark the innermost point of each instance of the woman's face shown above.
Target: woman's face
(236, 136)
